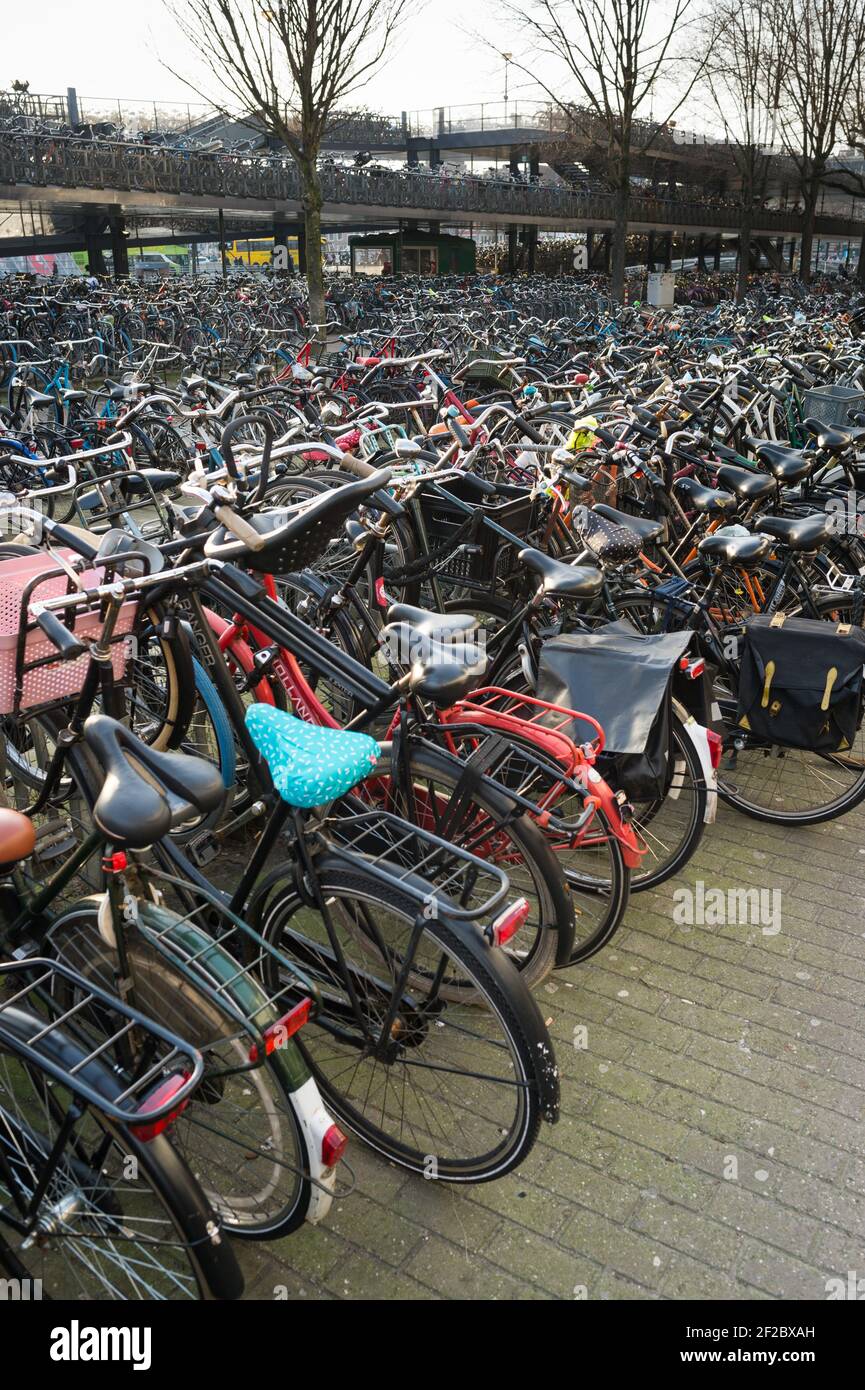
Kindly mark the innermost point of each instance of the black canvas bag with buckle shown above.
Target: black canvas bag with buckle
(624, 679)
(800, 682)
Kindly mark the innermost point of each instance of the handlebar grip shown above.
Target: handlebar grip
(359, 467)
(486, 489)
(67, 644)
(71, 539)
(457, 430)
(240, 528)
(606, 436)
(535, 435)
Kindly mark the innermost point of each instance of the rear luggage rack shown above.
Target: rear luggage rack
(392, 850)
(155, 1055)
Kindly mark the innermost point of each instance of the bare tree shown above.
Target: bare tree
(847, 177)
(288, 64)
(820, 61)
(740, 51)
(615, 53)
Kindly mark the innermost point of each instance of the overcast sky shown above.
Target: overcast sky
(119, 50)
(115, 49)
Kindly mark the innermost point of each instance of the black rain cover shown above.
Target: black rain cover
(623, 679)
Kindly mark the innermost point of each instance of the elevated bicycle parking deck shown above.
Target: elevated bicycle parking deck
(66, 173)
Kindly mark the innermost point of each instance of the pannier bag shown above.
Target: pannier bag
(800, 682)
(622, 678)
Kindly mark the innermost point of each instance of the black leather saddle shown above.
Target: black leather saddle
(145, 792)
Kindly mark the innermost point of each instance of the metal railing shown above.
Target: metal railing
(31, 162)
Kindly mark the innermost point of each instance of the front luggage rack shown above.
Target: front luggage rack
(140, 1052)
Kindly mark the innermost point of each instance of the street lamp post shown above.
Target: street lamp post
(507, 57)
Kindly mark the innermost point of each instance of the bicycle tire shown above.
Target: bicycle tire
(157, 1167)
(491, 979)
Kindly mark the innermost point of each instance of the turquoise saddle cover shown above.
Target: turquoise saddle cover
(309, 765)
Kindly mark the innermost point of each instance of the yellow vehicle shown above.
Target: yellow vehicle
(260, 251)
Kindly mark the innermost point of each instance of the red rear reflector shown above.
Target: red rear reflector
(115, 863)
(160, 1096)
(508, 923)
(693, 668)
(580, 379)
(278, 1033)
(333, 1146)
(716, 747)
(77, 443)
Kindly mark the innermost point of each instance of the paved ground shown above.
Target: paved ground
(712, 1138)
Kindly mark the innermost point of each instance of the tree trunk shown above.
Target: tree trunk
(620, 231)
(311, 202)
(807, 244)
(745, 224)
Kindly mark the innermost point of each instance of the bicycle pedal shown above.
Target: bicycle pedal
(54, 840)
(203, 849)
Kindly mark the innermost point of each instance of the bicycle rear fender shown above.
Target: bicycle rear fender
(624, 833)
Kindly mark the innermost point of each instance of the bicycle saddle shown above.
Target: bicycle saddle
(647, 528)
(787, 465)
(294, 539)
(576, 581)
(17, 837)
(798, 532)
(736, 550)
(309, 765)
(438, 626)
(440, 677)
(706, 499)
(146, 792)
(830, 439)
(751, 486)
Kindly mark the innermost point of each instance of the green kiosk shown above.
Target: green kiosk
(412, 253)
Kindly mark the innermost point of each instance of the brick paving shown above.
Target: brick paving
(712, 1137)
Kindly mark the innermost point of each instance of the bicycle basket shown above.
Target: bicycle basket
(481, 368)
(485, 558)
(31, 670)
(830, 404)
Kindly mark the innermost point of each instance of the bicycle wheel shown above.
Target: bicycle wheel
(488, 823)
(594, 868)
(119, 1218)
(240, 1134)
(671, 827)
(453, 1089)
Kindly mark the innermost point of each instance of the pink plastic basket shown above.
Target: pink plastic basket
(60, 679)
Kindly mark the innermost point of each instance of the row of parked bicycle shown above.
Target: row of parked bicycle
(346, 696)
